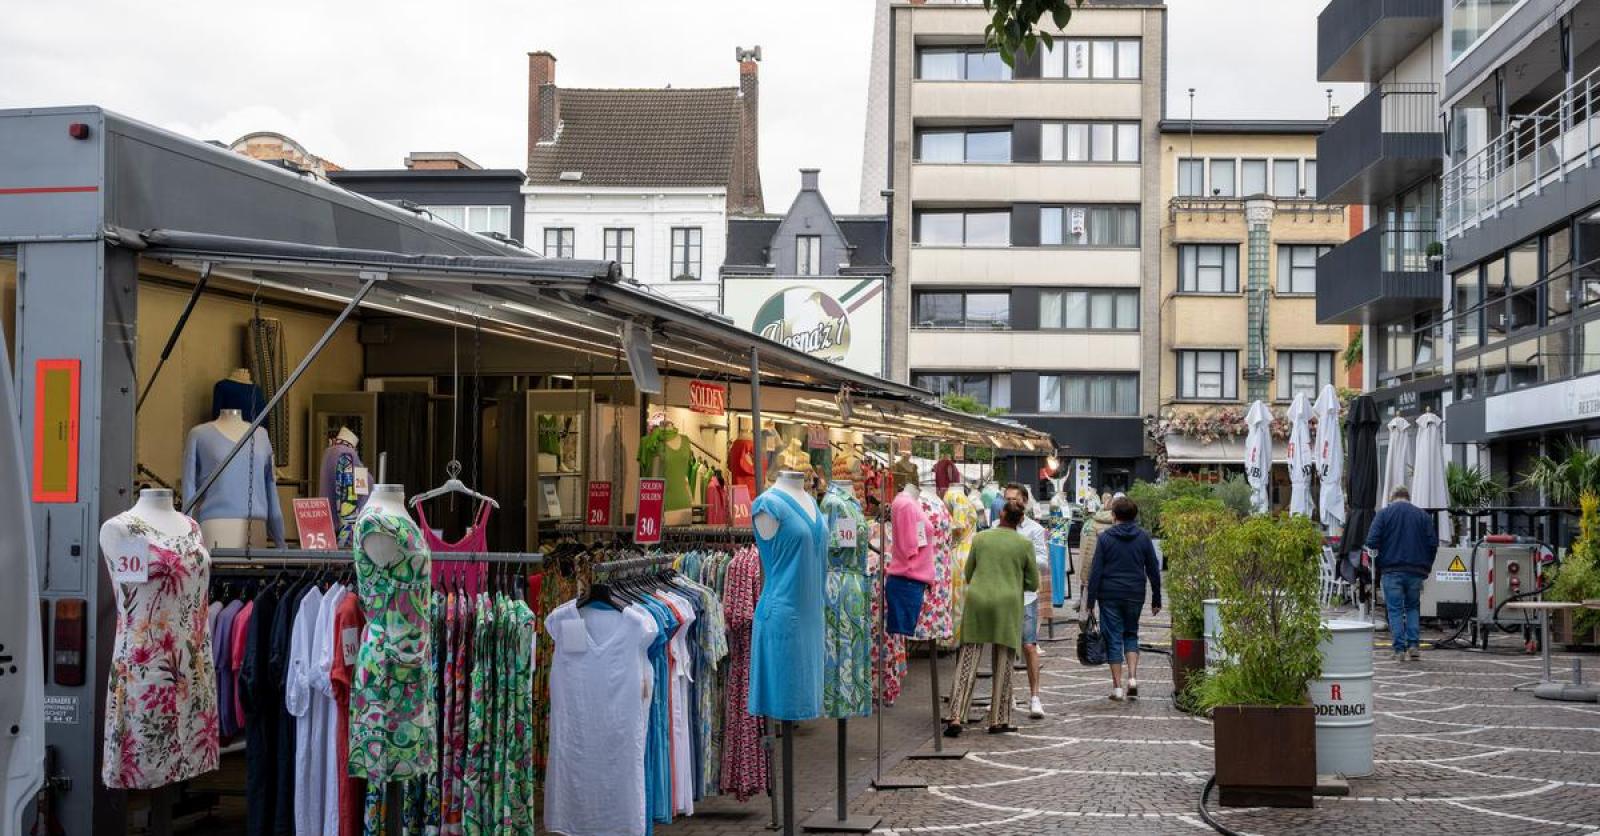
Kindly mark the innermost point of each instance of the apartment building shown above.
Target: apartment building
(1241, 237)
(644, 177)
(1026, 222)
(1382, 157)
(449, 187)
(1521, 211)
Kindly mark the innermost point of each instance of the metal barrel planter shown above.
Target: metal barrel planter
(1342, 697)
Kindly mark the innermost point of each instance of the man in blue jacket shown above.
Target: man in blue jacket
(1404, 539)
(1124, 562)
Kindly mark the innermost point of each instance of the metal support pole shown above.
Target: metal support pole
(939, 752)
(177, 331)
(761, 481)
(755, 418)
(840, 821)
(279, 395)
(880, 782)
(787, 730)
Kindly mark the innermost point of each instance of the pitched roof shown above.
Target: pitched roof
(664, 137)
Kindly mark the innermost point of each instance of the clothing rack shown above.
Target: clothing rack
(633, 563)
(300, 557)
(674, 533)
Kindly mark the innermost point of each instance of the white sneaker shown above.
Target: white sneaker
(1117, 695)
(1035, 709)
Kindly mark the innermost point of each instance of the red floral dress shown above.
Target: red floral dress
(161, 697)
(935, 620)
(744, 761)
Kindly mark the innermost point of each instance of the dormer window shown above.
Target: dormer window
(808, 255)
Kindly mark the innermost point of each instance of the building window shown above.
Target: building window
(974, 228)
(1297, 268)
(1089, 310)
(807, 255)
(1089, 394)
(961, 64)
(479, 219)
(558, 242)
(685, 253)
(1311, 178)
(1089, 226)
(1470, 19)
(1285, 178)
(1208, 375)
(618, 245)
(1097, 58)
(1208, 268)
(1222, 178)
(963, 309)
(1469, 317)
(1089, 142)
(1303, 372)
(989, 390)
(975, 145)
(1191, 178)
(1253, 174)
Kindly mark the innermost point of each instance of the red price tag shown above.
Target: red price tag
(652, 500)
(741, 505)
(599, 510)
(314, 521)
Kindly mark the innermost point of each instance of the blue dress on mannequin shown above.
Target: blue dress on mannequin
(787, 636)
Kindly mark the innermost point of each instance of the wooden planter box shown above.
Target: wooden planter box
(1562, 631)
(1188, 658)
(1266, 756)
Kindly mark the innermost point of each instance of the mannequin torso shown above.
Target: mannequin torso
(792, 483)
(231, 423)
(387, 499)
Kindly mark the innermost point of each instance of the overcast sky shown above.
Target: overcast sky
(362, 83)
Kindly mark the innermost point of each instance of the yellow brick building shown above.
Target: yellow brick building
(1238, 311)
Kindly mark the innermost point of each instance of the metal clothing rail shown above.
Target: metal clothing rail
(633, 563)
(673, 533)
(314, 557)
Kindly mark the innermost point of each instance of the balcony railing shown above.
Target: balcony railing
(1381, 274)
(1539, 148)
(1389, 139)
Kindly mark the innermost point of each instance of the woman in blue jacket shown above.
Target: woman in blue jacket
(1125, 560)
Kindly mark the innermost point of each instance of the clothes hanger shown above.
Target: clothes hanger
(452, 484)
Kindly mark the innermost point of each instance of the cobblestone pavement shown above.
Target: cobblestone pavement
(1458, 752)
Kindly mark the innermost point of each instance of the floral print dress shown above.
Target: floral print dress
(847, 639)
(888, 650)
(744, 761)
(161, 700)
(392, 730)
(935, 623)
(963, 524)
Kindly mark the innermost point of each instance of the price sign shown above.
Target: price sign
(708, 398)
(552, 499)
(741, 505)
(599, 510)
(922, 534)
(363, 481)
(314, 521)
(652, 499)
(129, 559)
(844, 531)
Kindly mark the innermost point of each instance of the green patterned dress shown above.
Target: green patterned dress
(847, 640)
(392, 735)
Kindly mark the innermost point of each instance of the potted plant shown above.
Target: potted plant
(1265, 570)
(1435, 252)
(1191, 524)
(1578, 579)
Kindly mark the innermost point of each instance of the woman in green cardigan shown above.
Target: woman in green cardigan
(999, 569)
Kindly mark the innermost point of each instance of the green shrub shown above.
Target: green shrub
(1191, 525)
(1266, 572)
(1235, 493)
(1578, 578)
(1151, 497)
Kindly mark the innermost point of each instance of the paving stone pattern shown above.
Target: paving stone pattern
(1458, 752)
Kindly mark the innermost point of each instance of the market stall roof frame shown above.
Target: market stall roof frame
(552, 300)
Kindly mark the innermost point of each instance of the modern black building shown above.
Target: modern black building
(1384, 153)
(449, 187)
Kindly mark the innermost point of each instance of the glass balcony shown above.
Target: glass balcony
(1389, 140)
(1381, 275)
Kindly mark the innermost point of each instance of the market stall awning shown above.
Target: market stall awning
(575, 311)
(1183, 449)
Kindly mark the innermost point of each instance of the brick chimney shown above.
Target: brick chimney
(744, 188)
(544, 106)
(440, 161)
